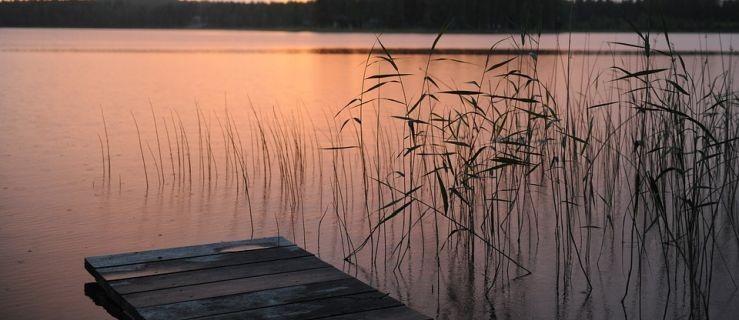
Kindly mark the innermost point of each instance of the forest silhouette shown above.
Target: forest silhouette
(380, 15)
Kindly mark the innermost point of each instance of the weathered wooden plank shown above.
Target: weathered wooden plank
(254, 300)
(200, 262)
(179, 279)
(395, 313)
(316, 308)
(234, 286)
(185, 252)
(268, 278)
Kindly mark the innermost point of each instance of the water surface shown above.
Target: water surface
(58, 203)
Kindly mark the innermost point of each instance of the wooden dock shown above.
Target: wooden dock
(269, 278)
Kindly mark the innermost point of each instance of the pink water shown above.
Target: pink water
(57, 204)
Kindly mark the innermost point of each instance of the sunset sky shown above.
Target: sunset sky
(247, 1)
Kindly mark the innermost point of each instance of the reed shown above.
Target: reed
(141, 149)
(105, 149)
(639, 158)
(159, 144)
(661, 139)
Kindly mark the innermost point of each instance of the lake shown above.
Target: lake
(126, 140)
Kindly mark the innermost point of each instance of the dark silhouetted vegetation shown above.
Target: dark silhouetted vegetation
(418, 15)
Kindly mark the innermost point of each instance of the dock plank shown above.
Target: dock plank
(214, 289)
(200, 262)
(316, 309)
(253, 300)
(267, 278)
(186, 252)
(185, 278)
(395, 313)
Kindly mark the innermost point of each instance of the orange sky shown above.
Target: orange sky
(251, 0)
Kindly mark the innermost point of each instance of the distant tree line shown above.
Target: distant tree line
(418, 15)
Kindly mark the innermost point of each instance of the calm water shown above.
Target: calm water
(58, 204)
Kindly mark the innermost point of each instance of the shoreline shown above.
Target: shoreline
(398, 51)
(384, 31)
